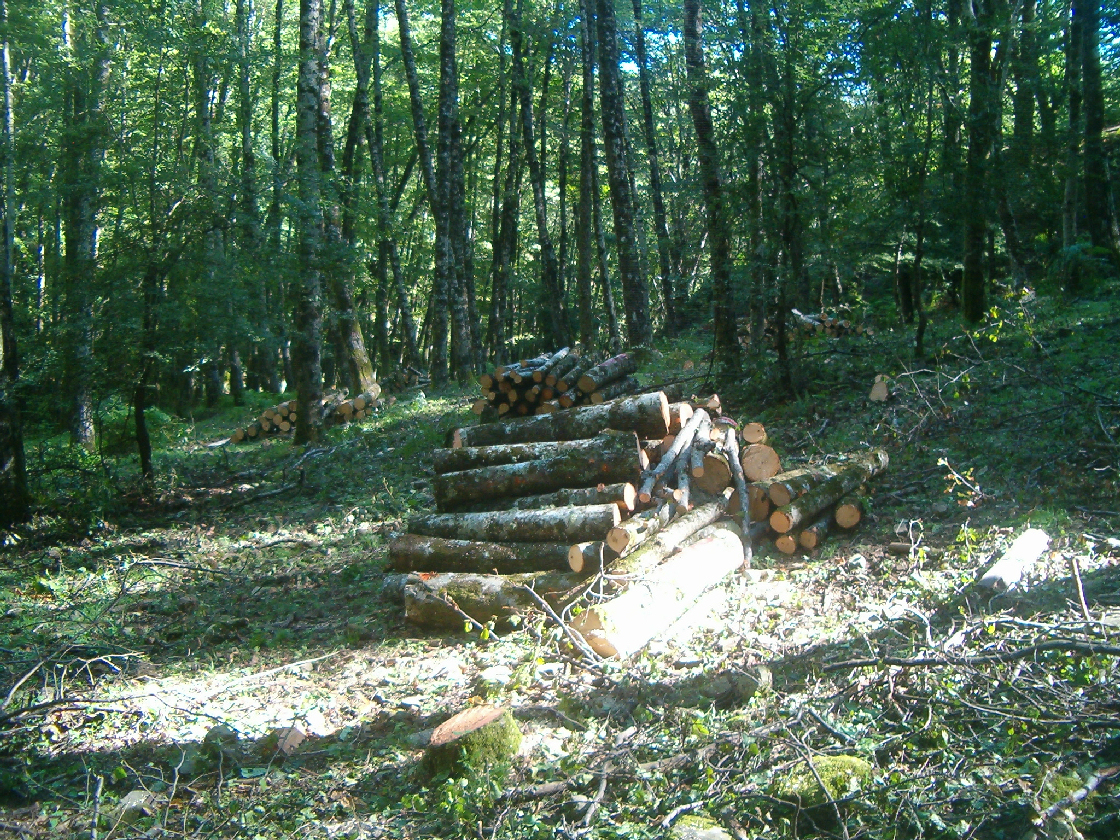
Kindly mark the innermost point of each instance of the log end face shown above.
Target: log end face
(780, 521)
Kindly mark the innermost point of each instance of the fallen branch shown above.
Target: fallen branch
(1065, 645)
(574, 637)
(1039, 824)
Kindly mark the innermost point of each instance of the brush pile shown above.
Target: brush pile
(554, 381)
(634, 490)
(281, 419)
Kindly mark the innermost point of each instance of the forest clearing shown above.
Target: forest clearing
(586, 419)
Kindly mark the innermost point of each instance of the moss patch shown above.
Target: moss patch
(841, 774)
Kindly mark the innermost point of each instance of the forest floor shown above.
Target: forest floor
(164, 649)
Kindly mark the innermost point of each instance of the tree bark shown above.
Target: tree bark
(15, 500)
(982, 115)
(606, 459)
(568, 524)
(414, 553)
(1098, 211)
(307, 324)
(802, 509)
(484, 598)
(550, 273)
(622, 494)
(475, 457)
(719, 239)
(660, 224)
(612, 102)
(613, 368)
(646, 414)
(588, 327)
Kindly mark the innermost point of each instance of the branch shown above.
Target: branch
(1067, 645)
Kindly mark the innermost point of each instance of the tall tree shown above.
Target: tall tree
(1098, 213)
(584, 221)
(635, 295)
(550, 272)
(15, 501)
(660, 224)
(308, 320)
(719, 238)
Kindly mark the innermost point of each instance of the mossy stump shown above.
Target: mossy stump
(474, 738)
(842, 775)
(694, 827)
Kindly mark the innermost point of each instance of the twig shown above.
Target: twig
(1076, 566)
(96, 807)
(1081, 793)
(573, 636)
(266, 495)
(15, 829)
(596, 801)
(836, 733)
(173, 565)
(1067, 645)
(477, 625)
(19, 682)
(671, 817)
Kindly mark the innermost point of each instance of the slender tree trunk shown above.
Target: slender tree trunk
(588, 327)
(634, 293)
(951, 99)
(1070, 204)
(84, 154)
(449, 182)
(550, 275)
(755, 135)
(307, 327)
(15, 500)
(444, 279)
(982, 114)
(614, 330)
(660, 224)
(505, 248)
(1025, 71)
(719, 239)
(1097, 210)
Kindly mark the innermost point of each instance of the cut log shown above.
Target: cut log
(567, 524)
(701, 445)
(754, 433)
(624, 538)
(555, 359)
(607, 459)
(646, 414)
(715, 472)
(568, 381)
(652, 450)
(848, 478)
(483, 597)
(608, 371)
(731, 446)
(415, 553)
(623, 494)
(849, 511)
(785, 487)
(586, 557)
(786, 543)
(688, 433)
(669, 539)
(472, 741)
(477, 457)
(562, 368)
(760, 461)
(758, 509)
(1016, 561)
(683, 491)
(812, 536)
(679, 414)
(625, 625)
(614, 390)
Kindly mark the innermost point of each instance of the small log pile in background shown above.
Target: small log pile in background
(640, 489)
(404, 378)
(554, 381)
(821, 323)
(281, 419)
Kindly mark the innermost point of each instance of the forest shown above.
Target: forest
(335, 219)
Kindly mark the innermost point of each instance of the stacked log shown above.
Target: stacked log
(829, 325)
(636, 490)
(281, 419)
(554, 381)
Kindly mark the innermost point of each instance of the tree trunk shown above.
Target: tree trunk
(606, 459)
(982, 115)
(726, 346)
(568, 525)
(660, 225)
(622, 494)
(475, 457)
(625, 625)
(307, 325)
(612, 100)
(485, 598)
(15, 500)
(550, 273)
(588, 326)
(414, 553)
(443, 282)
(647, 414)
(1070, 204)
(1098, 212)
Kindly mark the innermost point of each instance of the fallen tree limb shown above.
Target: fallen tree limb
(1064, 645)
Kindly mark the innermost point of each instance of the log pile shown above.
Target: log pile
(554, 381)
(281, 419)
(821, 323)
(635, 490)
